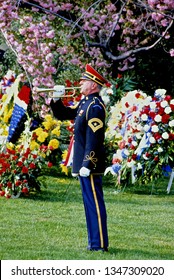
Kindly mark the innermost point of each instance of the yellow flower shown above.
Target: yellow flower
(38, 131)
(54, 143)
(34, 145)
(64, 154)
(48, 118)
(42, 136)
(4, 97)
(56, 131)
(7, 114)
(66, 123)
(47, 125)
(10, 145)
(64, 168)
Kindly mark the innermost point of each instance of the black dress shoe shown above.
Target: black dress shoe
(98, 249)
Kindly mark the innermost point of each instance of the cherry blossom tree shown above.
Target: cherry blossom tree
(53, 39)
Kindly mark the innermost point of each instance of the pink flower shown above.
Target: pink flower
(171, 52)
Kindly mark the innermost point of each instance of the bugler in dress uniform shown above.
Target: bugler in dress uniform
(89, 130)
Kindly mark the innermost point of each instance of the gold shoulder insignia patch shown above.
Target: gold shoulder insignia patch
(95, 124)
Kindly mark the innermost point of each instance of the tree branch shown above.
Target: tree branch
(115, 24)
(135, 51)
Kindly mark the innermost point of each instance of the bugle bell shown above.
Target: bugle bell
(58, 91)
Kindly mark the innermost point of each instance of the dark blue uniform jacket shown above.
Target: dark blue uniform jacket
(89, 130)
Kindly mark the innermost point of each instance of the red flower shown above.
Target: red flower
(9, 184)
(25, 190)
(119, 76)
(2, 193)
(172, 107)
(167, 98)
(145, 110)
(28, 151)
(15, 158)
(157, 136)
(24, 170)
(68, 83)
(134, 156)
(161, 111)
(152, 115)
(108, 84)
(129, 140)
(147, 154)
(78, 98)
(171, 136)
(18, 183)
(19, 163)
(165, 118)
(156, 158)
(49, 164)
(34, 156)
(137, 95)
(11, 152)
(32, 165)
(132, 147)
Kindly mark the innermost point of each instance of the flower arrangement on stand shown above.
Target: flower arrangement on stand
(141, 129)
(20, 168)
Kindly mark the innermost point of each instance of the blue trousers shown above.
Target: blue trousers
(95, 211)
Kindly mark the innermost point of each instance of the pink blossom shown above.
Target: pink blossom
(50, 34)
(171, 52)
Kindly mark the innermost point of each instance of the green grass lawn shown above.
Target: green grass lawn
(51, 225)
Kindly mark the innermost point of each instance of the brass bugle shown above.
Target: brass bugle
(58, 89)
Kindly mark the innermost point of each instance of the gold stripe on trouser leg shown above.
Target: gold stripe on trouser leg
(98, 211)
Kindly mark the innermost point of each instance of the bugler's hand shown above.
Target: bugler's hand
(84, 172)
(59, 91)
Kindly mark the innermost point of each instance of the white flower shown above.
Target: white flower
(138, 135)
(139, 166)
(172, 101)
(146, 127)
(144, 117)
(171, 123)
(130, 163)
(160, 92)
(155, 128)
(167, 110)
(106, 99)
(109, 91)
(164, 104)
(158, 118)
(126, 152)
(144, 156)
(152, 140)
(134, 143)
(147, 100)
(160, 150)
(152, 105)
(165, 135)
(139, 127)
